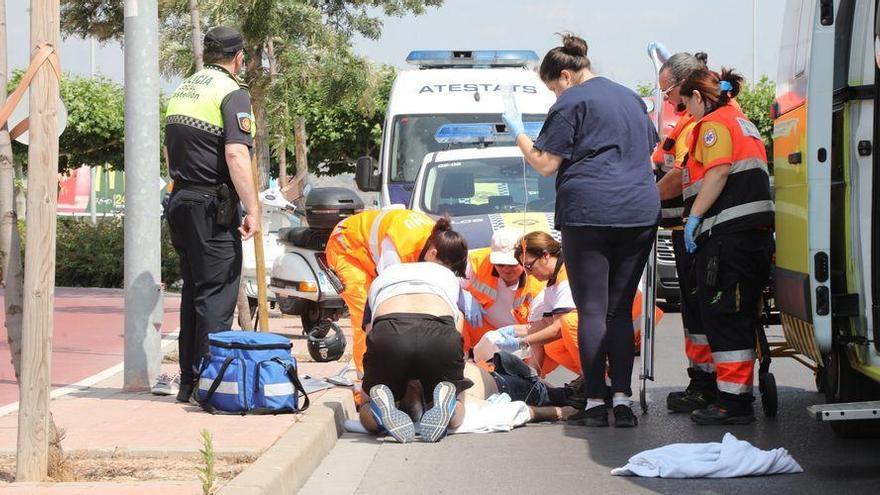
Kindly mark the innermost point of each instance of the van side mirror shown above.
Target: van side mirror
(366, 176)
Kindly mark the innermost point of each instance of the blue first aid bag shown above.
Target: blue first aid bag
(249, 373)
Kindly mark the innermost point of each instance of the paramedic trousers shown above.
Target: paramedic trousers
(210, 265)
(696, 345)
(604, 267)
(731, 272)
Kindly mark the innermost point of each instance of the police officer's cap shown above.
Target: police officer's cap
(223, 39)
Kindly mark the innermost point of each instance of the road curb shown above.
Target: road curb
(287, 465)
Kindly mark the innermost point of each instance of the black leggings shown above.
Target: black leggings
(604, 267)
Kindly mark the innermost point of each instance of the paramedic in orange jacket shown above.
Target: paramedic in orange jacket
(500, 286)
(669, 158)
(362, 245)
(729, 228)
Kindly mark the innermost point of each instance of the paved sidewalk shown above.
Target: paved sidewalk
(102, 419)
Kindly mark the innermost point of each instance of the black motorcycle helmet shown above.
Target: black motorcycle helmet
(326, 342)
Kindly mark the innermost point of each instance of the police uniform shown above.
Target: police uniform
(673, 153)
(209, 110)
(734, 246)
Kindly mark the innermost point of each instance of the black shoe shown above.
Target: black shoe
(715, 415)
(186, 391)
(594, 416)
(689, 400)
(624, 417)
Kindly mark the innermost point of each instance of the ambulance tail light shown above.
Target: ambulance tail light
(483, 133)
(435, 59)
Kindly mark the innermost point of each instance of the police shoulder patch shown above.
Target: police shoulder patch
(245, 121)
(710, 138)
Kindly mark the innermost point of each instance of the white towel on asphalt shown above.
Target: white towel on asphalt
(729, 459)
(497, 414)
(494, 416)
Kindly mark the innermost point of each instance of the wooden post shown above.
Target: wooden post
(39, 283)
(262, 301)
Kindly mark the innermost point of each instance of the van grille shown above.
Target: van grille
(664, 249)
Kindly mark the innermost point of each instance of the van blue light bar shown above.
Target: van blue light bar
(472, 58)
(482, 133)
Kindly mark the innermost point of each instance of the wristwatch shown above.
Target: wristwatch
(523, 344)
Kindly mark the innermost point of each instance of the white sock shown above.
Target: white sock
(621, 399)
(591, 403)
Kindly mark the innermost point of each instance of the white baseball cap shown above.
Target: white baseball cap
(503, 245)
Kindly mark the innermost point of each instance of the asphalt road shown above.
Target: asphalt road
(555, 458)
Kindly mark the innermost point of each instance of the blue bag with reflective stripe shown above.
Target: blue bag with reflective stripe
(249, 373)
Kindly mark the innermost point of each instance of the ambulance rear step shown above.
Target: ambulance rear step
(846, 411)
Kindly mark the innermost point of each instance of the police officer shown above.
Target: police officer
(209, 132)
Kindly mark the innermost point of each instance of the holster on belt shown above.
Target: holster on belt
(227, 206)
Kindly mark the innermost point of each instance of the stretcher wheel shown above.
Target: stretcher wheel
(769, 397)
(643, 399)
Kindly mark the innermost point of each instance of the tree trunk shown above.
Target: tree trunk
(257, 81)
(245, 321)
(196, 34)
(302, 161)
(281, 148)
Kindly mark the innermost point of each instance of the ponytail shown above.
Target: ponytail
(716, 89)
(452, 250)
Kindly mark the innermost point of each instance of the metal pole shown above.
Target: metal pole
(93, 196)
(754, 42)
(32, 459)
(143, 290)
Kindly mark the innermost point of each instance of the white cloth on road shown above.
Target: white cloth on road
(731, 458)
(497, 414)
(493, 416)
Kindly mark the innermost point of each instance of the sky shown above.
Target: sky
(617, 32)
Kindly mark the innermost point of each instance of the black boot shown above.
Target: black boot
(594, 416)
(716, 415)
(701, 392)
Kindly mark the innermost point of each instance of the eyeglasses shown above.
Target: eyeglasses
(668, 90)
(529, 264)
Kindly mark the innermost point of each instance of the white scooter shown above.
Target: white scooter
(278, 214)
(301, 279)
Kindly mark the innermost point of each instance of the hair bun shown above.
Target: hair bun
(702, 57)
(574, 45)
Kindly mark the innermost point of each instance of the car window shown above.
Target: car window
(483, 186)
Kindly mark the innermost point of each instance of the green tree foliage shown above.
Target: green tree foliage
(645, 89)
(756, 101)
(95, 123)
(310, 37)
(340, 128)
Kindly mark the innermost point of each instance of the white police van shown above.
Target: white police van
(446, 87)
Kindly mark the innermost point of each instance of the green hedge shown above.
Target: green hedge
(92, 255)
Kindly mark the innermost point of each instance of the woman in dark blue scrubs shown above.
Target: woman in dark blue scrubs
(598, 139)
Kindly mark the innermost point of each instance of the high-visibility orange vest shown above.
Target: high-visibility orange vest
(350, 237)
(361, 235)
(672, 210)
(745, 201)
(484, 286)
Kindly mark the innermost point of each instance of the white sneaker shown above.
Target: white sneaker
(166, 384)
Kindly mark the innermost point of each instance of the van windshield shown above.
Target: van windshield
(486, 185)
(412, 137)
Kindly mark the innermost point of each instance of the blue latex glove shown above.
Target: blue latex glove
(509, 344)
(690, 232)
(472, 309)
(508, 332)
(514, 123)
